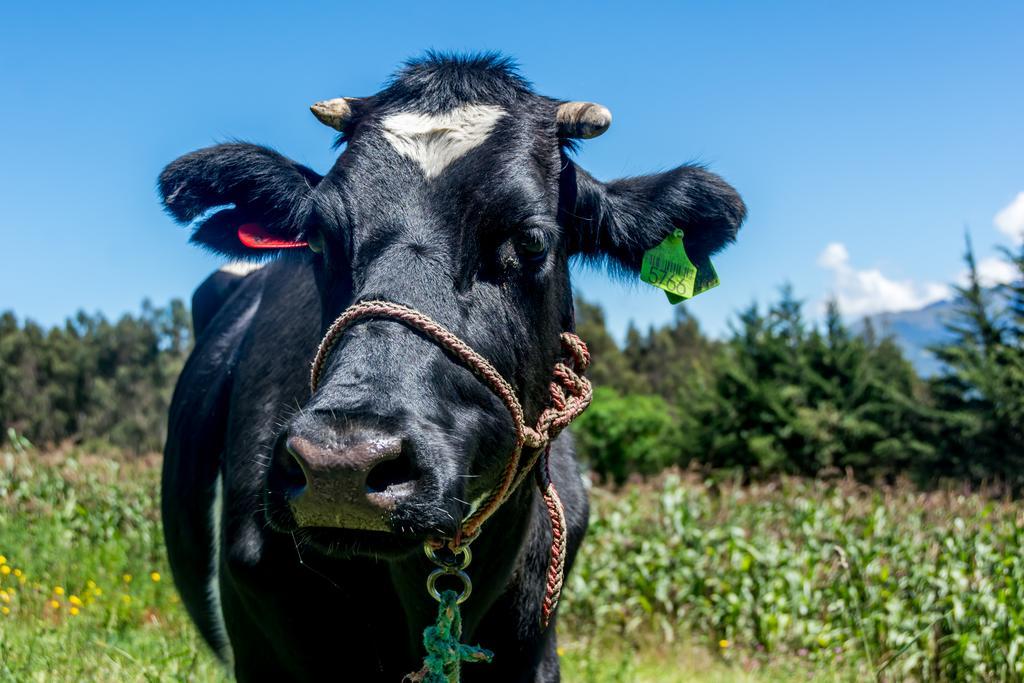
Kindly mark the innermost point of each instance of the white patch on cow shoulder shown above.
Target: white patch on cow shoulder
(436, 140)
(220, 631)
(240, 267)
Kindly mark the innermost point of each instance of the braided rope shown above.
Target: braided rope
(569, 395)
(556, 561)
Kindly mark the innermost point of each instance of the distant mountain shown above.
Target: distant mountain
(916, 330)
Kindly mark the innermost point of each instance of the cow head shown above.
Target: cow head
(456, 195)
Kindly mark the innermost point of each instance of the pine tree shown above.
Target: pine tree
(980, 391)
(609, 367)
(788, 397)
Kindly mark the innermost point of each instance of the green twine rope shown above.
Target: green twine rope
(445, 653)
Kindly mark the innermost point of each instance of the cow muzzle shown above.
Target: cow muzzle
(351, 483)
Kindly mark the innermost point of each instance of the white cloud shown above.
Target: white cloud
(993, 271)
(1010, 220)
(864, 292)
(834, 257)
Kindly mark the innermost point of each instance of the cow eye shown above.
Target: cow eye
(532, 245)
(315, 240)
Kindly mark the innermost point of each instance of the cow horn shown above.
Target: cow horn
(582, 119)
(334, 113)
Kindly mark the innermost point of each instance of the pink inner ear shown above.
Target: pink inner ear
(255, 236)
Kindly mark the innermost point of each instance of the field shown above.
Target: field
(681, 579)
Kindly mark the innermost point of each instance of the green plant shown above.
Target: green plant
(925, 586)
(620, 435)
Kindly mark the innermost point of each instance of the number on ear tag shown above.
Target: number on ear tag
(668, 267)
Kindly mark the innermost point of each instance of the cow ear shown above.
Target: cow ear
(622, 219)
(269, 196)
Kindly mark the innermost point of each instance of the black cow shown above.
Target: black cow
(456, 195)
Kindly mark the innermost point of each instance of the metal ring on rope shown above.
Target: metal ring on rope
(467, 584)
(462, 551)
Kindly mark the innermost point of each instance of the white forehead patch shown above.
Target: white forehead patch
(436, 140)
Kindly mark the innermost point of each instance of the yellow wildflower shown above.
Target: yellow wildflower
(5, 569)
(560, 651)
(18, 573)
(126, 599)
(5, 610)
(3, 560)
(54, 604)
(127, 578)
(97, 591)
(90, 584)
(4, 597)
(155, 576)
(74, 611)
(58, 590)
(723, 643)
(75, 600)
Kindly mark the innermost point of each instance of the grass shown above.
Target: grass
(84, 587)
(680, 580)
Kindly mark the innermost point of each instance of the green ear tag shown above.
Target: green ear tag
(706, 277)
(667, 267)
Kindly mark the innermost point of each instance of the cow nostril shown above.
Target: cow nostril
(291, 476)
(391, 473)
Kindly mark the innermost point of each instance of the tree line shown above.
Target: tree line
(96, 382)
(779, 394)
(783, 395)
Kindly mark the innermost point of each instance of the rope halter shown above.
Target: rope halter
(569, 395)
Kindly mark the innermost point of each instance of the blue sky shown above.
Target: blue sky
(863, 136)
